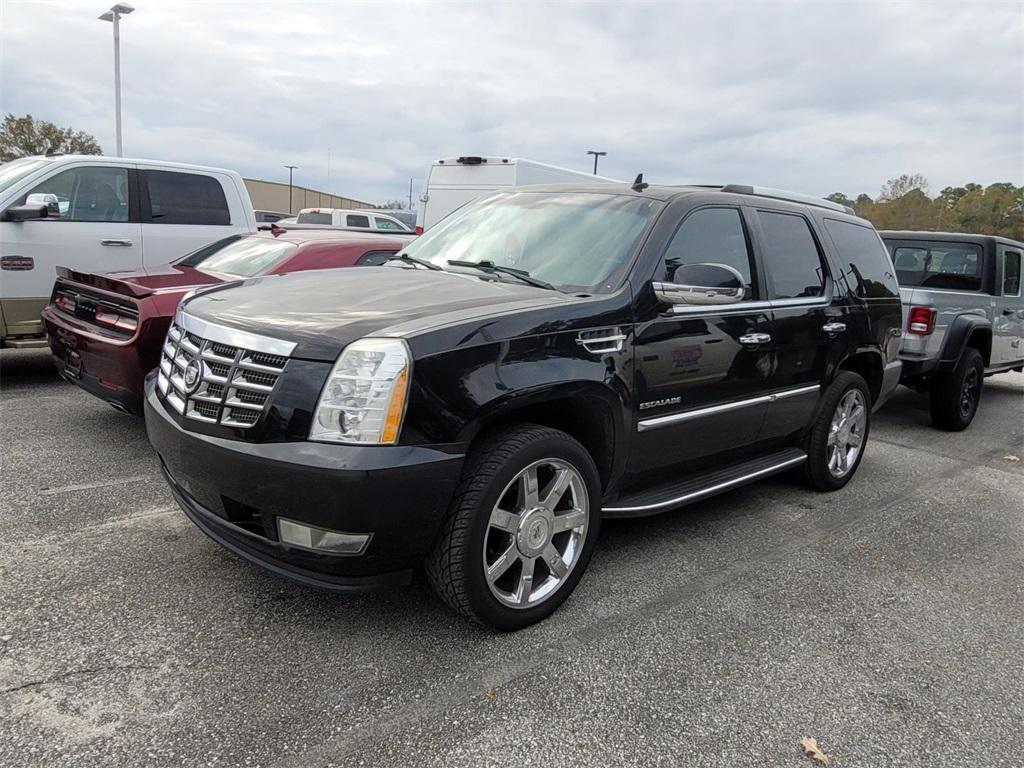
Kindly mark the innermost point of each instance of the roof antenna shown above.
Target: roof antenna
(640, 185)
(276, 229)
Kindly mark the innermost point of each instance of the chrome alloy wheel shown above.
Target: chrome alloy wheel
(535, 533)
(846, 435)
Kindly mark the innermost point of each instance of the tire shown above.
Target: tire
(818, 471)
(488, 524)
(954, 396)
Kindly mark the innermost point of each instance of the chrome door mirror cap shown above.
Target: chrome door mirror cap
(702, 284)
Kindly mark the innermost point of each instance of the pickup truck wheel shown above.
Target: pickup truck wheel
(837, 438)
(954, 396)
(520, 528)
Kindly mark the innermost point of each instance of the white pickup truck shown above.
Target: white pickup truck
(93, 213)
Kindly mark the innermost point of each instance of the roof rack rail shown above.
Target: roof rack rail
(793, 197)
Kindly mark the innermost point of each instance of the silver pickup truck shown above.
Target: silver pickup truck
(964, 316)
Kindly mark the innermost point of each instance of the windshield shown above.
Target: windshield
(578, 242)
(16, 170)
(240, 256)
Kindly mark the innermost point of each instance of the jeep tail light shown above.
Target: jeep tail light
(921, 321)
(66, 302)
(113, 319)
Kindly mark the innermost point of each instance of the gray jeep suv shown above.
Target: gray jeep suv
(962, 302)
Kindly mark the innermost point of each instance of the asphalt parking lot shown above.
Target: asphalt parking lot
(886, 621)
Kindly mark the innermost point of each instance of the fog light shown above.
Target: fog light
(321, 539)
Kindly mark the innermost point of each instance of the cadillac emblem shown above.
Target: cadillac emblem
(193, 374)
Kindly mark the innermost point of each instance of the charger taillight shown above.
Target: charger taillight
(113, 319)
(921, 321)
(66, 302)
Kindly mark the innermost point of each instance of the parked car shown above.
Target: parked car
(269, 217)
(965, 316)
(106, 329)
(348, 217)
(454, 181)
(544, 359)
(93, 213)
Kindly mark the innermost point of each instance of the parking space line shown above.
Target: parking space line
(89, 486)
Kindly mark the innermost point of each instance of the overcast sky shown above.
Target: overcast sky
(817, 97)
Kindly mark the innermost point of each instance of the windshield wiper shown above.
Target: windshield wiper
(405, 257)
(490, 266)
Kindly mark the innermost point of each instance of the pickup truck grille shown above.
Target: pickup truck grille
(215, 382)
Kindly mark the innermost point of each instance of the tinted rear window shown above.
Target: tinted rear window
(358, 221)
(949, 266)
(864, 257)
(314, 218)
(186, 198)
(793, 263)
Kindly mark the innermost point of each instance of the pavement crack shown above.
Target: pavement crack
(76, 673)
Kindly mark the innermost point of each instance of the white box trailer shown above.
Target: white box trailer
(454, 181)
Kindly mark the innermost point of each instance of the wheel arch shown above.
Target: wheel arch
(589, 412)
(966, 331)
(868, 363)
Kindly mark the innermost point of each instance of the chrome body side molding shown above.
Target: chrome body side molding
(675, 418)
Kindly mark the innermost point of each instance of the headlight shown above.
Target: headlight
(365, 396)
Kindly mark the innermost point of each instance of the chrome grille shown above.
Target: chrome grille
(235, 384)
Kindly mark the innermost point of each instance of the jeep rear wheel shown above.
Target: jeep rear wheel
(520, 528)
(955, 395)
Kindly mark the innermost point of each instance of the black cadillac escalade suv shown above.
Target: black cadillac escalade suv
(541, 360)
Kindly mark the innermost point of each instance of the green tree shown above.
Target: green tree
(22, 136)
(839, 197)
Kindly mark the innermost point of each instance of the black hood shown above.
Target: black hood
(322, 311)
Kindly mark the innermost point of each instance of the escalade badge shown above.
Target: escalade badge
(193, 373)
(657, 403)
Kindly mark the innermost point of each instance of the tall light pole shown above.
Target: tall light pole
(596, 155)
(114, 14)
(410, 194)
(290, 169)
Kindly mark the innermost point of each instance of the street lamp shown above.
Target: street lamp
(596, 155)
(114, 15)
(290, 169)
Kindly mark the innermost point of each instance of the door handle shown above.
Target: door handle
(833, 328)
(115, 241)
(753, 339)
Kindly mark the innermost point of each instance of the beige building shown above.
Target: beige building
(273, 196)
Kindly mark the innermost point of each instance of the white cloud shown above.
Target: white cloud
(816, 97)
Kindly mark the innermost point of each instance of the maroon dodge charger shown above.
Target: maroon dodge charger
(106, 330)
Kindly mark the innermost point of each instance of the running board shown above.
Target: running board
(676, 493)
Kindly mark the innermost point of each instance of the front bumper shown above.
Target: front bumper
(234, 491)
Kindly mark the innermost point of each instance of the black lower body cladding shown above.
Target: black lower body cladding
(235, 491)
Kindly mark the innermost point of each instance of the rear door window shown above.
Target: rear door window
(186, 198)
(793, 263)
(864, 257)
(353, 220)
(1011, 273)
(949, 266)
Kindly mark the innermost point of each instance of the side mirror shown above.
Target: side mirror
(27, 211)
(702, 284)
